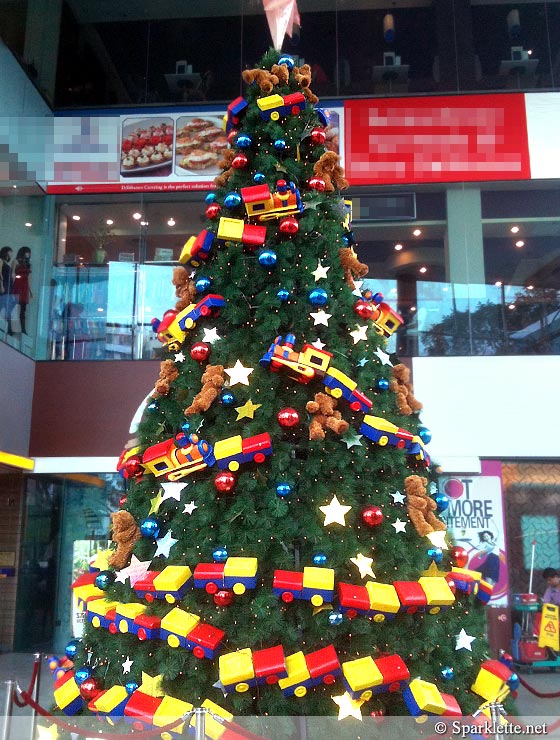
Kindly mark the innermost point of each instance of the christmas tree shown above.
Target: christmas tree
(279, 550)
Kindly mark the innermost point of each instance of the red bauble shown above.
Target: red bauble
(317, 183)
(200, 351)
(289, 225)
(223, 597)
(288, 417)
(232, 136)
(224, 482)
(90, 688)
(372, 516)
(133, 466)
(122, 501)
(318, 136)
(460, 556)
(364, 309)
(377, 713)
(213, 210)
(239, 161)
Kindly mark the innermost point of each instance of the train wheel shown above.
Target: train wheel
(351, 613)
(173, 641)
(275, 115)
(295, 110)
(317, 600)
(300, 691)
(96, 622)
(149, 598)
(242, 687)
(166, 736)
(259, 458)
(355, 406)
(383, 440)
(336, 392)
(270, 680)
(113, 628)
(198, 652)
(142, 634)
(366, 695)
(123, 626)
(421, 719)
(435, 610)
(211, 588)
(233, 466)
(239, 588)
(329, 679)
(138, 726)
(170, 598)
(189, 323)
(400, 444)
(287, 597)
(379, 618)
(395, 686)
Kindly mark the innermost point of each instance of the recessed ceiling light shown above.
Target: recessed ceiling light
(520, 243)
(417, 232)
(423, 270)
(529, 52)
(498, 283)
(14, 187)
(530, 287)
(171, 222)
(144, 223)
(109, 222)
(28, 224)
(398, 247)
(75, 217)
(136, 216)
(413, 308)
(511, 306)
(514, 229)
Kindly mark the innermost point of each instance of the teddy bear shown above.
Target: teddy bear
(262, 77)
(184, 288)
(282, 72)
(421, 507)
(213, 379)
(324, 416)
(220, 181)
(328, 169)
(351, 265)
(302, 76)
(402, 386)
(125, 533)
(167, 374)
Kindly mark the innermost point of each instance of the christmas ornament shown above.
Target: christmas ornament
(364, 310)
(283, 294)
(289, 225)
(398, 497)
(351, 439)
(359, 334)
(425, 434)
(104, 579)
(190, 507)
(319, 559)
(244, 141)
(164, 545)
(131, 687)
(223, 597)
(224, 482)
(399, 526)
(335, 618)
(213, 210)
(287, 60)
(179, 357)
(231, 136)
(442, 501)
(127, 665)
(90, 688)
(438, 539)
(203, 284)
(288, 417)
(259, 178)
(372, 516)
(268, 258)
(227, 398)
(239, 161)
(232, 200)
(513, 682)
(363, 564)
(321, 317)
(135, 571)
(210, 335)
(334, 512)
(320, 271)
(152, 685)
(122, 501)
(150, 528)
(318, 297)
(133, 466)
(81, 674)
(317, 183)
(348, 707)
(210, 198)
(238, 374)
(382, 384)
(435, 554)
(318, 136)
(459, 556)
(447, 673)
(283, 489)
(220, 555)
(464, 641)
(185, 426)
(172, 490)
(247, 411)
(200, 351)
(280, 145)
(383, 356)
(319, 344)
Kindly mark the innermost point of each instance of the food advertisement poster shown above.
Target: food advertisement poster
(84, 554)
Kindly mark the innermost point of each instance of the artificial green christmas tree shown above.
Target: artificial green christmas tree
(279, 550)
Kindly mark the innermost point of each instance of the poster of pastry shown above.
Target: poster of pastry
(147, 147)
(199, 145)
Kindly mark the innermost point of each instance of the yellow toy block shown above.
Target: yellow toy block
(236, 667)
(319, 578)
(474, 574)
(242, 567)
(169, 710)
(214, 729)
(271, 101)
(67, 693)
(231, 229)
(379, 422)
(362, 673)
(383, 597)
(489, 686)
(227, 447)
(317, 359)
(437, 591)
(101, 606)
(427, 696)
(172, 578)
(342, 378)
(131, 611)
(110, 699)
(179, 621)
(186, 252)
(297, 670)
(88, 592)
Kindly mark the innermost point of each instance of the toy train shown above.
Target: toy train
(172, 329)
(470, 582)
(263, 205)
(245, 668)
(385, 319)
(197, 249)
(383, 432)
(314, 584)
(364, 677)
(494, 681)
(236, 230)
(276, 106)
(178, 627)
(235, 112)
(424, 699)
(313, 363)
(169, 584)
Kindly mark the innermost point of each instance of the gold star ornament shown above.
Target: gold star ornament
(334, 512)
(348, 707)
(247, 411)
(152, 685)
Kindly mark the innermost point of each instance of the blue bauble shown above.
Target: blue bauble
(244, 141)
(447, 673)
(442, 501)
(322, 116)
(346, 241)
(283, 489)
(283, 295)
(185, 426)
(320, 558)
(513, 681)
(150, 528)
(382, 384)
(335, 618)
(153, 406)
(203, 284)
(210, 198)
(220, 555)
(259, 178)
(435, 554)
(280, 145)
(131, 687)
(71, 649)
(287, 60)
(104, 579)
(424, 434)
(267, 258)
(228, 399)
(318, 297)
(232, 200)
(82, 673)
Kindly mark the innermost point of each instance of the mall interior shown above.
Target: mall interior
(469, 255)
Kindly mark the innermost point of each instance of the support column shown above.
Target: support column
(42, 33)
(464, 249)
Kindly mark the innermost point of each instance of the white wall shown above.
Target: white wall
(491, 407)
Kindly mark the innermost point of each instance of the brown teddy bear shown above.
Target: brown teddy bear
(125, 533)
(402, 386)
(213, 379)
(302, 76)
(328, 169)
(282, 72)
(184, 288)
(220, 181)
(351, 265)
(261, 77)
(167, 374)
(421, 507)
(325, 417)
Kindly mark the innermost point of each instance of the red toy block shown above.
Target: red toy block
(270, 664)
(393, 670)
(353, 597)
(452, 708)
(322, 662)
(141, 706)
(288, 579)
(206, 638)
(411, 595)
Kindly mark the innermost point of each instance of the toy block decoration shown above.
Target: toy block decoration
(67, 694)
